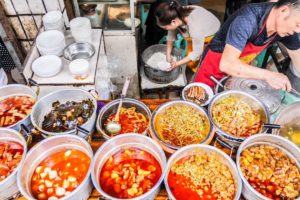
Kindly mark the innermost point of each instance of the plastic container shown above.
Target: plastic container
(53, 20)
(125, 141)
(79, 68)
(81, 29)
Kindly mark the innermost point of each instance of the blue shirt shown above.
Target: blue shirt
(243, 27)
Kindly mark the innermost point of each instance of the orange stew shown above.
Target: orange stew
(14, 109)
(201, 177)
(59, 174)
(131, 121)
(10, 156)
(129, 173)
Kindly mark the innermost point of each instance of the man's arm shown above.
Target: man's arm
(231, 64)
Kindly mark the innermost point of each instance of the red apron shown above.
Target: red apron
(210, 64)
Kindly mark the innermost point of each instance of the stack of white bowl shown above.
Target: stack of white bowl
(81, 29)
(53, 20)
(51, 43)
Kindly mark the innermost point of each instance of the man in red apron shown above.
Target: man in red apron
(247, 33)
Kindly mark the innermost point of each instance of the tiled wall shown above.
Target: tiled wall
(26, 17)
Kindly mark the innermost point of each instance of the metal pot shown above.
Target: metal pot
(125, 141)
(258, 88)
(47, 147)
(171, 148)
(44, 106)
(112, 107)
(9, 187)
(17, 90)
(286, 146)
(288, 118)
(256, 104)
(192, 150)
(156, 75)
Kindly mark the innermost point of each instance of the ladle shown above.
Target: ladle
(114, 127)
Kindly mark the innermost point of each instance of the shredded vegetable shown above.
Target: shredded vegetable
(181, 125)
(236, 117)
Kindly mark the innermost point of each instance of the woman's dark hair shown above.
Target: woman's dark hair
(293, 3)
(168, 11)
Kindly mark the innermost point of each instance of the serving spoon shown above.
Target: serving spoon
(114, 127)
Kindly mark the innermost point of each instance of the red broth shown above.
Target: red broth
(129, 173)
(59, 174)
(130, 120)
(10, 156)
(201, 177)
(14, 109)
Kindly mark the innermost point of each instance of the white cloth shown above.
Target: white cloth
(3, 77)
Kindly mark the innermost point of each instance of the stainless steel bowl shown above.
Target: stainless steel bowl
(281, 143)
(44, 106)
(119, 142)
(79, 50)
(288, 118)
(162, 107)
(192, 150)
(156, 75)
(251, 100)
(17, 90)
(9, 187)
(112, 107)
(46, 148)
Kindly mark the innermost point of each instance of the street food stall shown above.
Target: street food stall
(63, 136)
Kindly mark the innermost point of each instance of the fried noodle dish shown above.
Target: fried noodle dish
(181, 125)
(236, 117)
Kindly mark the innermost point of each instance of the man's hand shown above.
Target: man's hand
(278, 81)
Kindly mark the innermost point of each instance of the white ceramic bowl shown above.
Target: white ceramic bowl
(208, 90)
(47, 66)
(51, 42)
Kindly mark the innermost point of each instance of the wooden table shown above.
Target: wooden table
(97, 141)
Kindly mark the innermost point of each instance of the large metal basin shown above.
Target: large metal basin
(273, 140)
(112, 108)
(119, 142)
(9, 187)
(251, 100)
(288, 119)
(17, 90)
(46, 148)
(156, 75)
(172, 148)
(192, 150)
(44, 106)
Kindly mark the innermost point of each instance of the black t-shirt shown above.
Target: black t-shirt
(243, 27)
